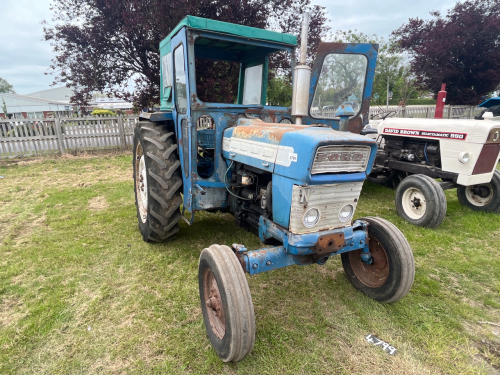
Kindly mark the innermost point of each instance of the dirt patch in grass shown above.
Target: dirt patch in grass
(98, 203)
(8, 308)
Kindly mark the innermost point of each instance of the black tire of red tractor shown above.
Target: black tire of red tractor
(391, 180)
(164, 180)
(239, 336)
(435, 198)
(401, 268)
(493, 205)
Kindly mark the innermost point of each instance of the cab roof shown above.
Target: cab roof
(205, 24)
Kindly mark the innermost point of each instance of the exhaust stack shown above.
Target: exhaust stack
(301, 77)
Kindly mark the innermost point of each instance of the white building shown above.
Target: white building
(22, 106)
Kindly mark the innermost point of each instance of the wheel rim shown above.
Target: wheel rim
(479, 195)
(213, 303)
(373, 275)
(141, 183)
(414, 203)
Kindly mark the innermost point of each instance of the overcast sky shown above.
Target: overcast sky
(25, 57)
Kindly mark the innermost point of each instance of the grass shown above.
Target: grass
(80, 292)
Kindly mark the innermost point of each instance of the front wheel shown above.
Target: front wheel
(390, 276)
(482, 197)
(421, 201)
(226, 303)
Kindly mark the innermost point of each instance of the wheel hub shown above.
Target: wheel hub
(374, 274)
(213, 302)
(479, 195)
(414, 203)
(141, 183)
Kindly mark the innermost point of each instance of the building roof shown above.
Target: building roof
(61, 94)
(18, 100)
(231, 29)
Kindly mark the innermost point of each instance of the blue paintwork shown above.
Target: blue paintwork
(490, 102)
(299, 249)
(345, 110)
(230, 119)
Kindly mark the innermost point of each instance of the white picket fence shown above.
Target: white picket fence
(427, 111)
(43, 136)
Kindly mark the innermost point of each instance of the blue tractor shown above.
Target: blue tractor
(292, 175)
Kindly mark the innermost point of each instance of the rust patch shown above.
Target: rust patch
(330, 243)
(272, 131)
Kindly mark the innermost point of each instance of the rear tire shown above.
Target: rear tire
(482, 197)
(390, 277)
(157, 181)
(226, 303)
(421, 201)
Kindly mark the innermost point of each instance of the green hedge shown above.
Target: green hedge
(103, 112)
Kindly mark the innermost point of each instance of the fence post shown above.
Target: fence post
(121, 131)
(404, 111)
(471, 111)
(449, 111)
(60, 139)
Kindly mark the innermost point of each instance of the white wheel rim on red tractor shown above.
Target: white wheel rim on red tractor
(141, 184)
(477, 200)
(414, 203)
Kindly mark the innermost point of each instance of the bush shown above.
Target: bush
(103, 112)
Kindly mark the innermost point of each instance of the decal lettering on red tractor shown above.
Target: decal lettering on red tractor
(426, 133)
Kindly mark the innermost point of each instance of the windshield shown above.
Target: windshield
(341, 81)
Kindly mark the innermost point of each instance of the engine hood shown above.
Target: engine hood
(284, 149)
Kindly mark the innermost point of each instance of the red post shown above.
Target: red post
(440, 102)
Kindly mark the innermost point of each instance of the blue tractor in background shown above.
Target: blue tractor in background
(293, 176)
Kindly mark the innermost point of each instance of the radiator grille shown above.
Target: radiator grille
(338, 158)
(328, 199)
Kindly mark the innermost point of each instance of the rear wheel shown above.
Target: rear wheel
(226, 303)
(390, 276)
(421, 201)
(482, 197)
(157, 181)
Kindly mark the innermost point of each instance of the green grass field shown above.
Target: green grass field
(81, 293)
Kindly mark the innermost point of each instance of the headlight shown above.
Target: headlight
(346, 212)
(463, 157)
(496, 135)
(311, 218)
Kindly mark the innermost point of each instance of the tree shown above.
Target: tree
(6, 87)
(391, 66)
(106, 45)
(461, 49)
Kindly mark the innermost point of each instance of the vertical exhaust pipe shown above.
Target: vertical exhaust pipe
(301, 77)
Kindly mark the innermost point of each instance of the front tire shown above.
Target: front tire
(157, 181)
(390, 277)
(421, 201)
(482, 197)
(226, 303)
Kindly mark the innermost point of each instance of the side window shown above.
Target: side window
(342, 79)
(166, 67)
(252, 89)
(180, 80)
